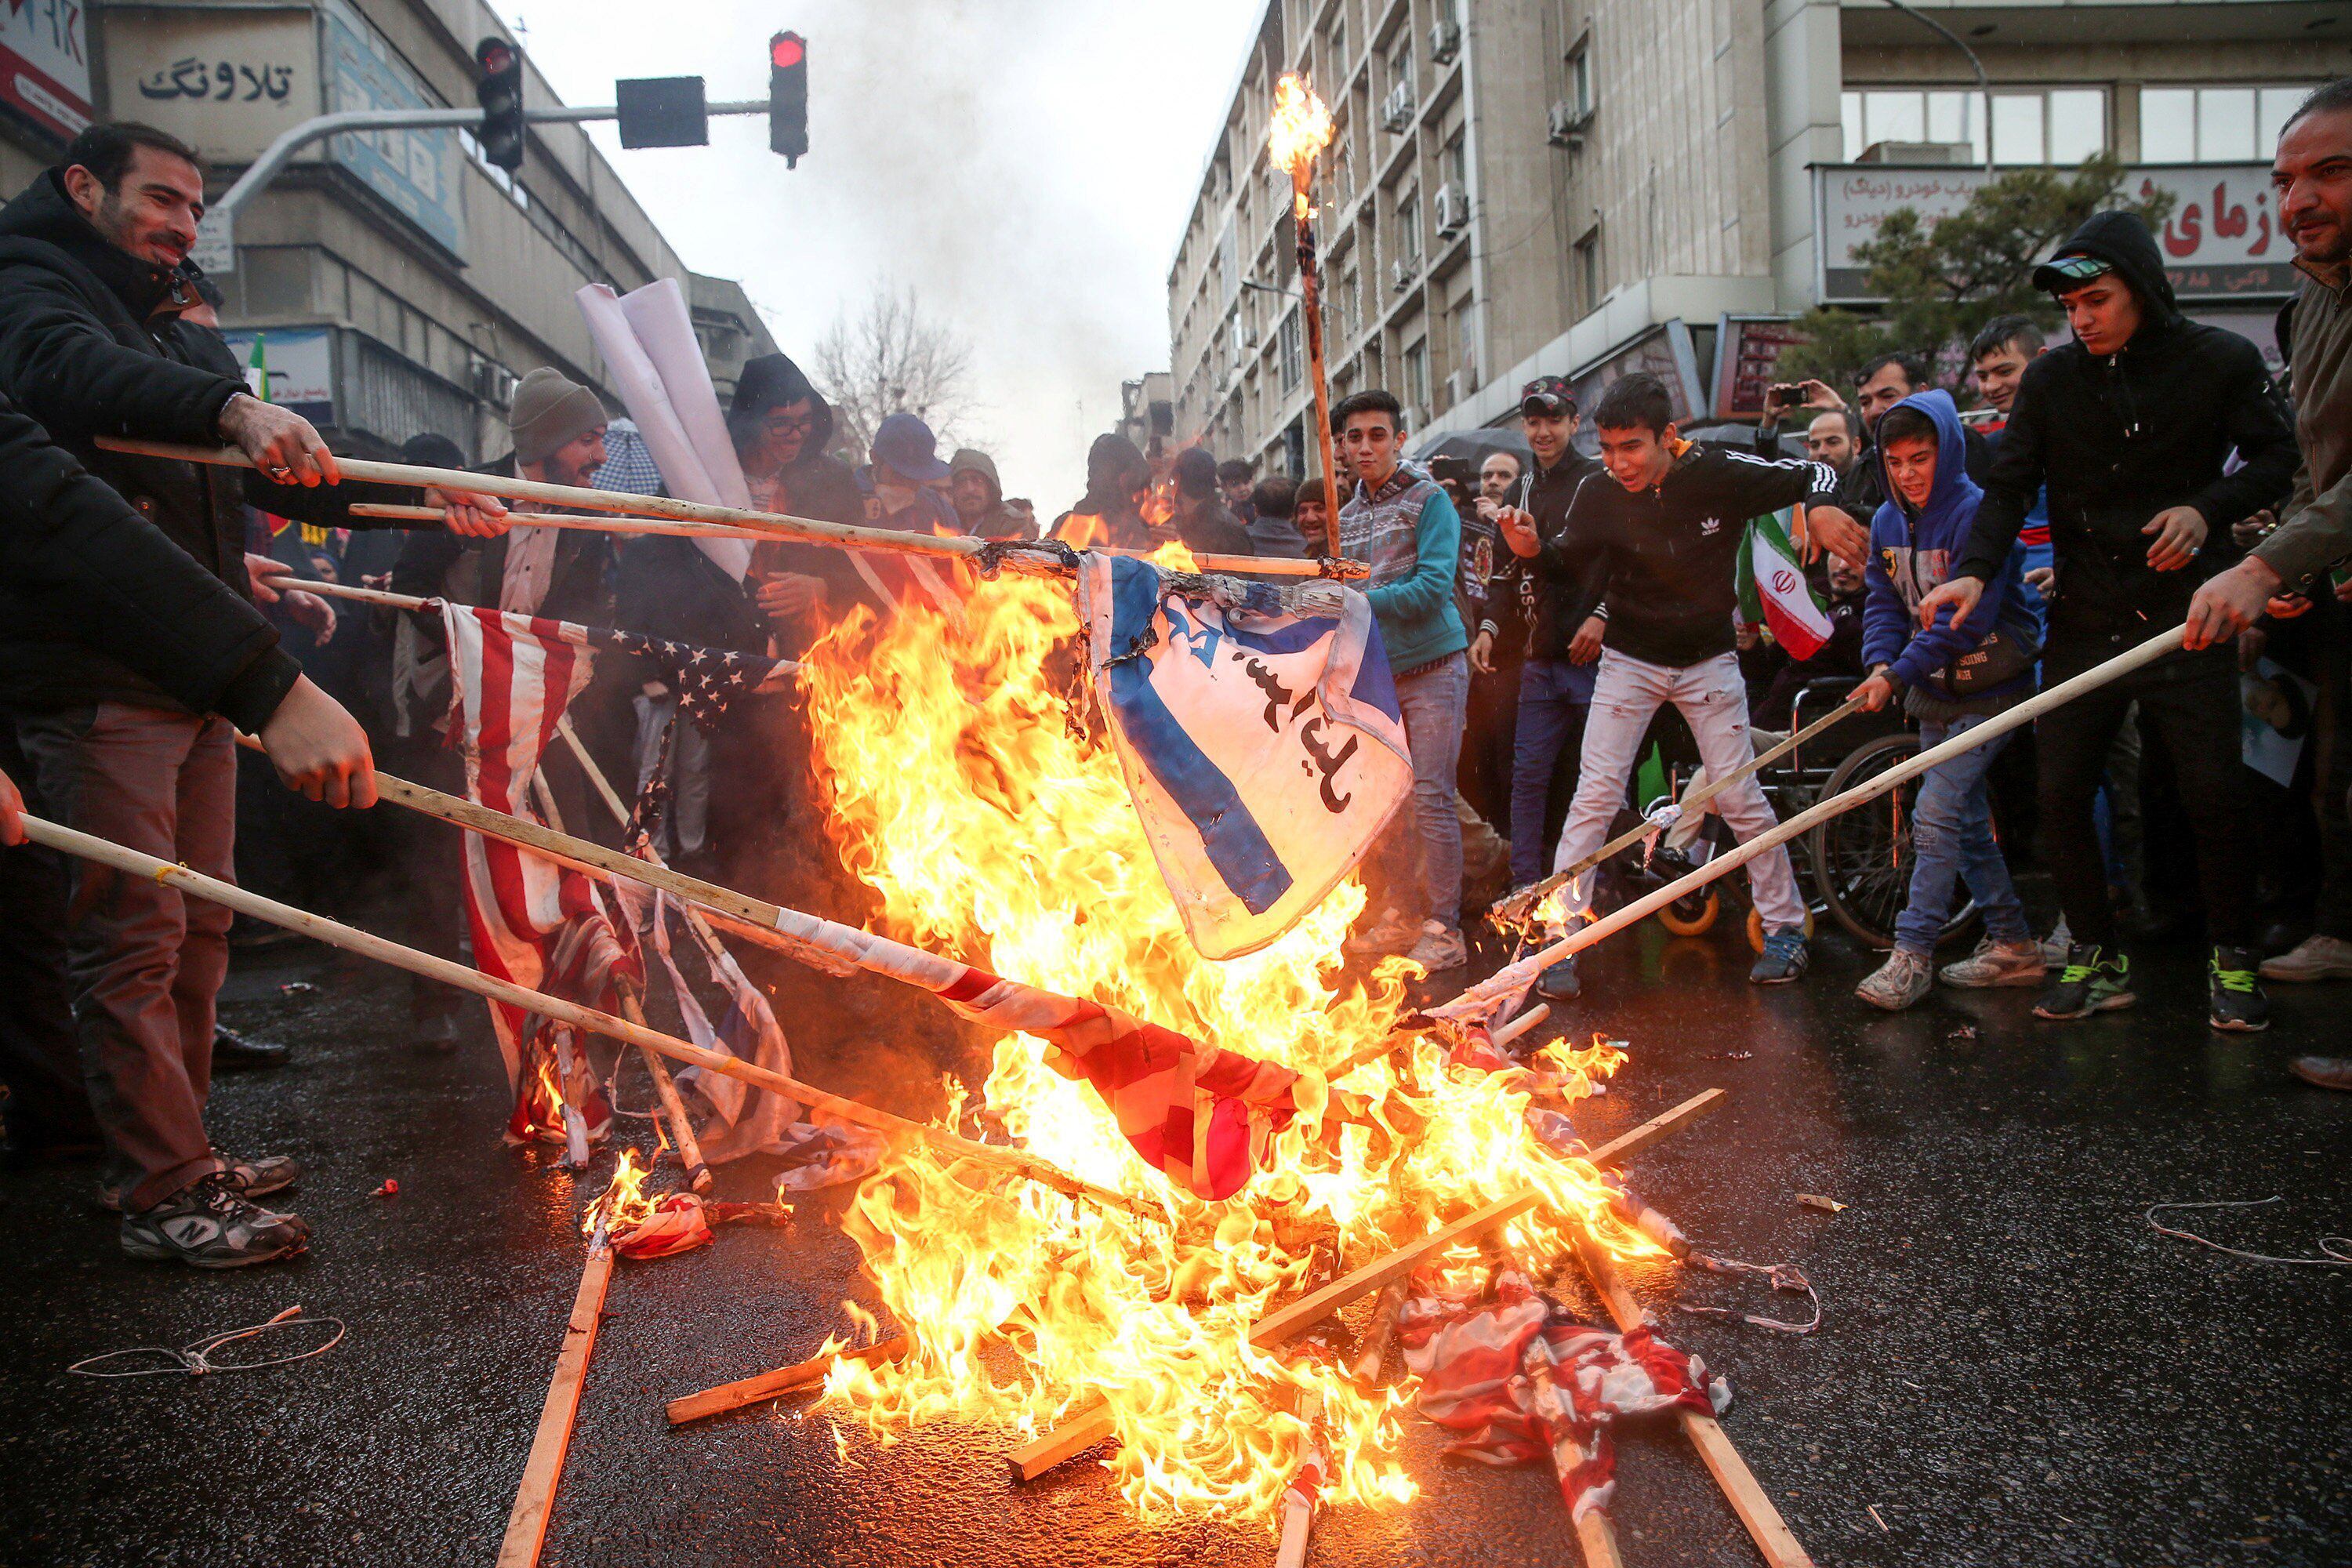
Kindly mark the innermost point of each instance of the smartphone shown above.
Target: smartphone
(1784, 394)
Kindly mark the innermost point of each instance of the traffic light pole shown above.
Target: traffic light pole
(275, 156)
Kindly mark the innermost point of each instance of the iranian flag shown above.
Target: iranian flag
(1773, 592)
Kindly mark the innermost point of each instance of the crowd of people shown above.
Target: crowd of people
(1540, 603)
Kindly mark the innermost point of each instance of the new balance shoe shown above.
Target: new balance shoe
(260, 1177)
(2018, 963)
(1439, 949)
(1785, 959)
(2091, 981)
(2234, 993)
(2314, 958)
(1901, 980)
(1390, 933)
(209, 1225)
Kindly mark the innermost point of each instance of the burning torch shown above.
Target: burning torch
(1301, 129)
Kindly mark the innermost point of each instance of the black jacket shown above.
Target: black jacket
(443, 565)
(91, 344)
(79, 567)
(1548, 598)
(2122, 438)
(1671, 552)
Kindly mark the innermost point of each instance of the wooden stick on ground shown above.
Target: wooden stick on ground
(336, 935)
(1747, 1496)
(770, 1385)
(1092, 1424)
(543, 1471)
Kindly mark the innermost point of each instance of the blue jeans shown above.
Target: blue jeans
(1420, 852)
(1952, 841)
(1554, 696)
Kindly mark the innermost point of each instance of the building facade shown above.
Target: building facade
(390, 283)
(1585, 187)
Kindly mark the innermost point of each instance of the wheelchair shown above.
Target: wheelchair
(1855, 867)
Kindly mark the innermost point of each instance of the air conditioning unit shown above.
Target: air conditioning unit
(1564, 127)
(493, 383)
(1453, 209)
(1403, 271)
(1396, 109)
(1444, 41)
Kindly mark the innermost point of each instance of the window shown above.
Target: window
(1400, 68)
(1587, 272)
(1292, 340)
(1343, 171)
(1408, 219)
(1457, 164)
(1416, 377)
(1338, 59)
(2213, 124)
(2059, 126)
(1579, 76)
(1351, 303)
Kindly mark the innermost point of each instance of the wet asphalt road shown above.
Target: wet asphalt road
(2014, 1369)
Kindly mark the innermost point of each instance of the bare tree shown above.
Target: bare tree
(889, 358)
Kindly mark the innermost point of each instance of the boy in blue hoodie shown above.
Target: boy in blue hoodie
(1951, 679)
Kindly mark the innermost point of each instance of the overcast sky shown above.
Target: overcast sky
(1028, 164)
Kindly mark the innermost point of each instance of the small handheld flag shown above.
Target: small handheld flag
(1773, 592)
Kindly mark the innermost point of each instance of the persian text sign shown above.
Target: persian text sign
(2220, 242)
(45, 63)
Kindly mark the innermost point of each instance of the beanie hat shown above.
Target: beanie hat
(549, 410)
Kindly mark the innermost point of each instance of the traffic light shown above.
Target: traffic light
(788, 96)
(500, 92)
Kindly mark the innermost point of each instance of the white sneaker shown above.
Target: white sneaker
(2018, 962)
(2060, 943)
(1901, 980)
(1439, 948)
(2314, 958)
(1390, 933)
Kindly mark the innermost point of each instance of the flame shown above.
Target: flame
(624, 1205)
(994, 829)
(1301, 129)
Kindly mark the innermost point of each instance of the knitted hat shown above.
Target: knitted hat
(548, 411)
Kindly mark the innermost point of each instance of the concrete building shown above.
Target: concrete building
(1585, 187)
(396, 283)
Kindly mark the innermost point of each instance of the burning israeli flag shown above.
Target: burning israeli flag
(1260, 735)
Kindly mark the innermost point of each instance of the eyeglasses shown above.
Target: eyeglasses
(784, 424)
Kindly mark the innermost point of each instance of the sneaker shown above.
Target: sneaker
(2059, 943)
(1901, 980)
(2093, 981)
(2017, 962)
(1786, 958)
(258, 1177)
(209, 1225)
(1439, 949)
(1559, 982)
(2315, 958)
(2323, 1072)
(2235, 999)
(1391, 933)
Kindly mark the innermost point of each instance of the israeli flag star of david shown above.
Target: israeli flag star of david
(1262, 746)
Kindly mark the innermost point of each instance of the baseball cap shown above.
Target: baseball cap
(2069, 269)
(1549, 396)
(908, 446)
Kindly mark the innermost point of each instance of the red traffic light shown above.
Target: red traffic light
(786, 51)
(495, 55)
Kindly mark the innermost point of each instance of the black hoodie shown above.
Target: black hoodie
(2121, 437)
(815, 484)
(91, 344)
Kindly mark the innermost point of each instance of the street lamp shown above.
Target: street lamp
(1984, 82)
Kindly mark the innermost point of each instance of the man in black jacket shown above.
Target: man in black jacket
(91, 343)
(1557, 599)
(1667, 519)
(2129, 426)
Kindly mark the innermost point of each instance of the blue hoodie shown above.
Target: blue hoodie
(1910, 555)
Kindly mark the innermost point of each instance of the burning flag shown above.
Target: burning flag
(1261, 741)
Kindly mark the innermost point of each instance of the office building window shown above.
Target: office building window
(1580, 76)
(1339, 56)
(2214, 124)
(1351, 304)
(1587, 272)
(1416, 377)
(1408, 220)
(2059, 126)
(1293, 351)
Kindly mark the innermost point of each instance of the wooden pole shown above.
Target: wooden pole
(543, 1471)
(1747, 1496)
(1514, 978)
(770, 1385)
(1310, 307)
(336, 935)
(1514, 908)
(1092, 1424)
(681, 1126)
(579, 521)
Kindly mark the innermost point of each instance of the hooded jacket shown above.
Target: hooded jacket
(815, 484)
(1000, 522)
(1912, 552)
(91, 343)
(2120, 438)
(1112, 463)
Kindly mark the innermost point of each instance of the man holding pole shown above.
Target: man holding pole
(1666, 522)
(2129, 426)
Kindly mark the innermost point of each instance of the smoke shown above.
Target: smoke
(1028, 164)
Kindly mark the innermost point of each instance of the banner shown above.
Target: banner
(1263, 747)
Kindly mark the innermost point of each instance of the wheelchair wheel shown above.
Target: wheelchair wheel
(1693, 915)
(1862, 860)
(1755, 929)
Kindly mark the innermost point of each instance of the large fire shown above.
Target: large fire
(995, 831)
